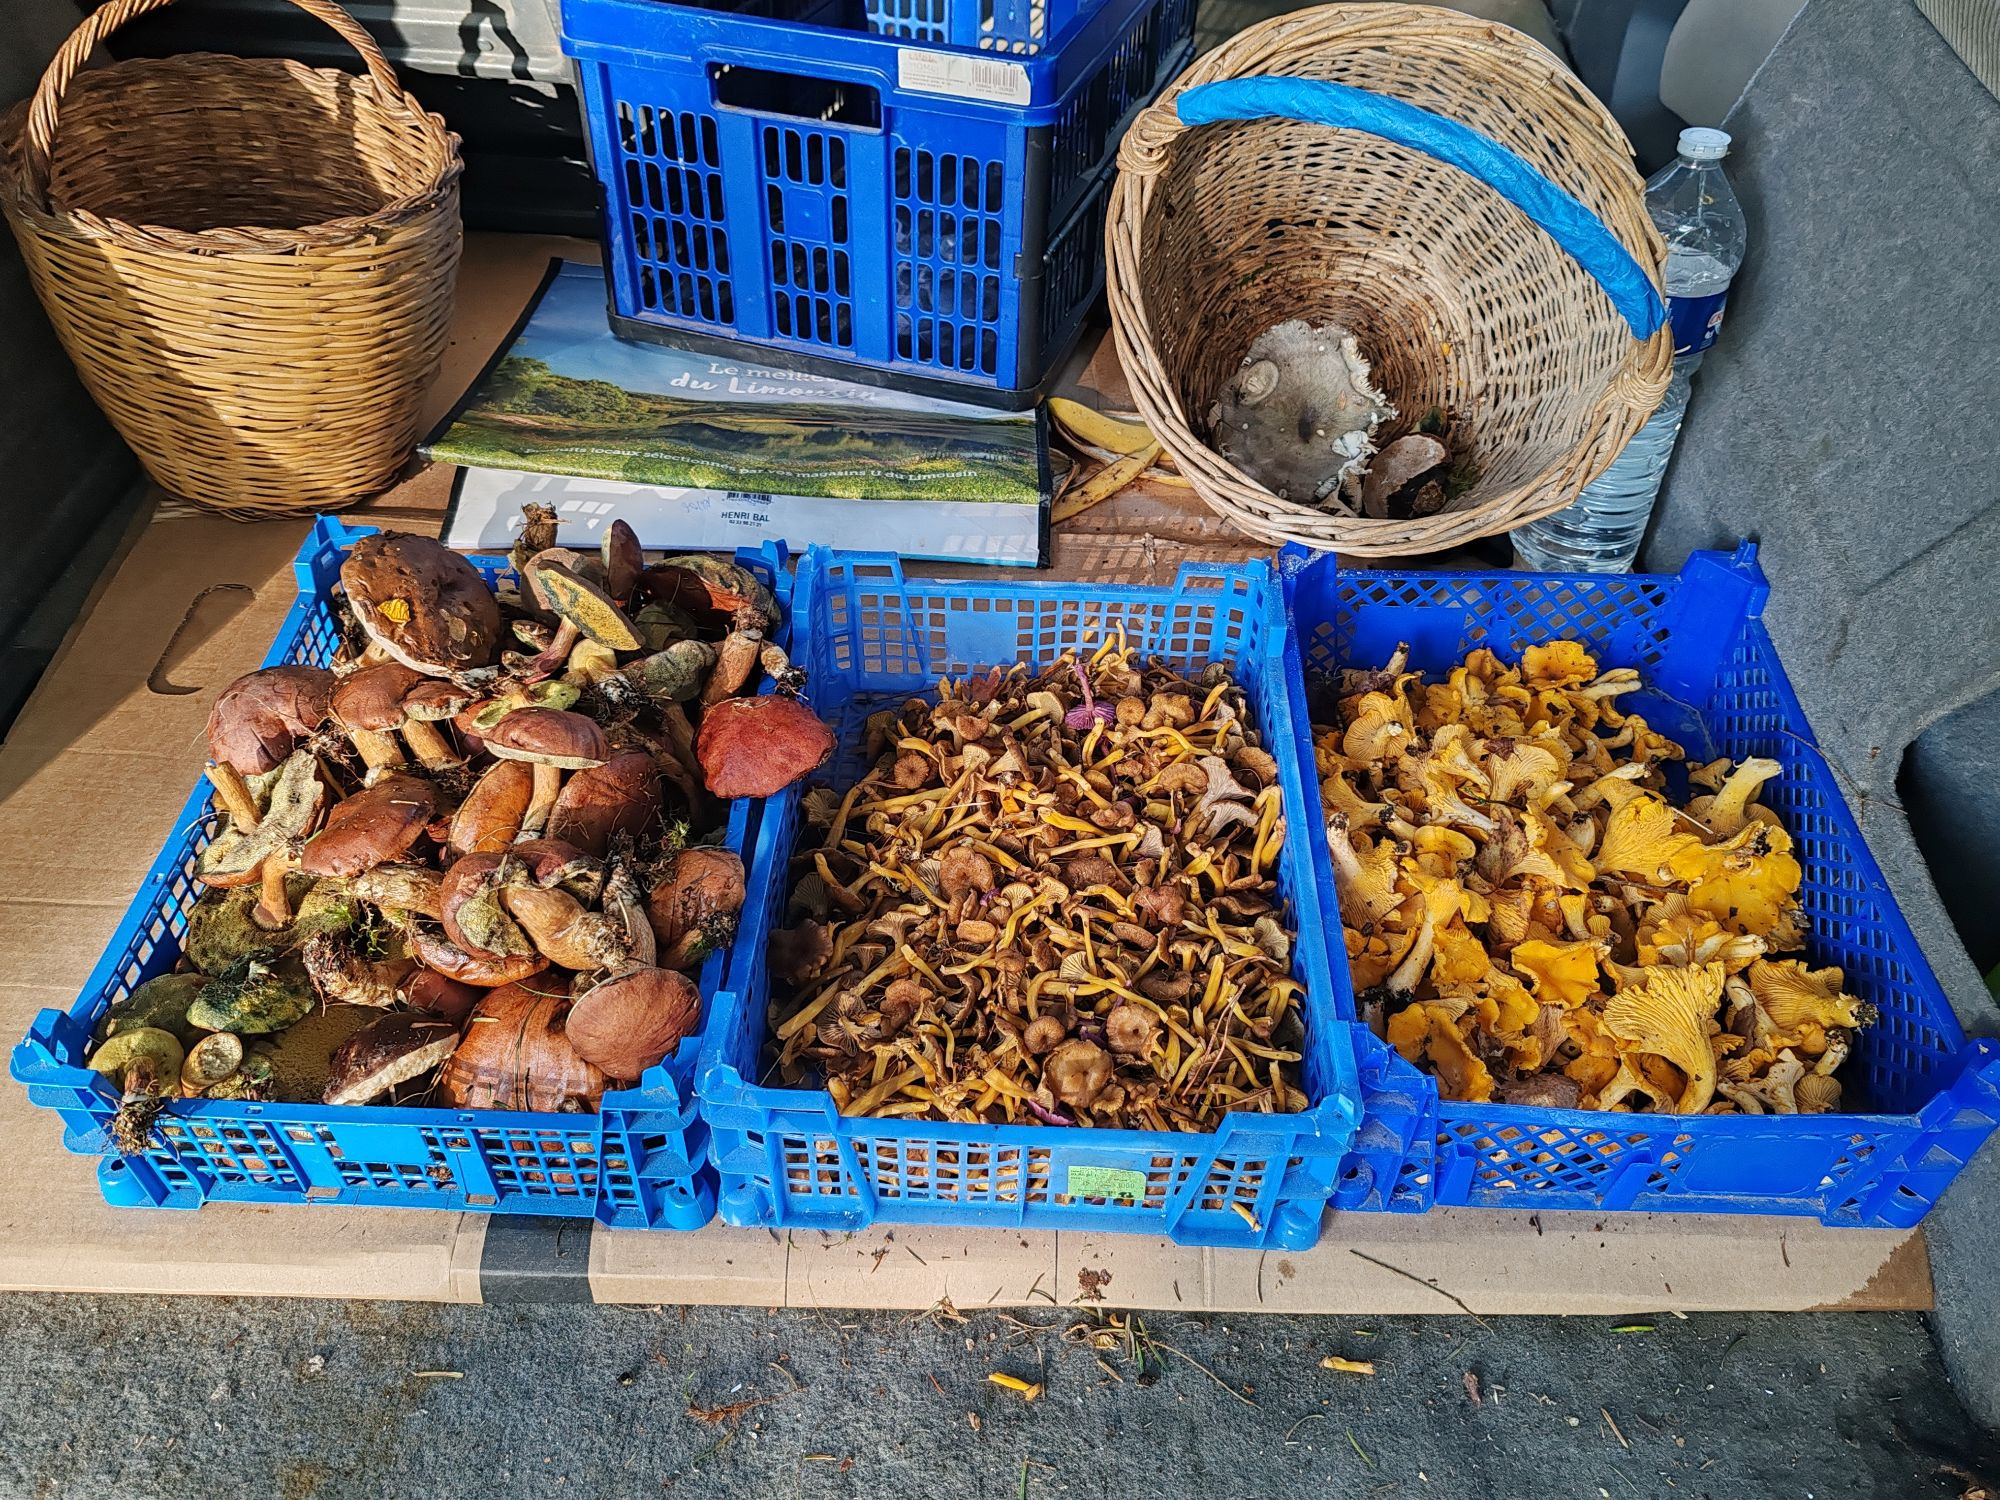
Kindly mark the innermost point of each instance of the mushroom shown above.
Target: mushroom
(631, 1022)
(735, 660)
(425, 706)
(675, 673)
(1043, 1034)
(264, 851)
(756, 747)
(1077, 1072)
(719, 594)
(440, 954)
(386, 1054)
(145, 1063)
(1666, 1015)
(693, 909)
(215, 1057)
(473, 915)
(256, 723)
(595, 806)
(254, 998)
(344, 976)
(372, 826)
(562, 930)
(489, 819)
(429, 991)
(1131, 1029)
(552, 741)
(401, 887)
(623, 560)
(161, 1002)
(586, 611)
(422, 603)
(515, 1054)
(368, 705)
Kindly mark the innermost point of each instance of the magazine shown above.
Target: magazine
(702, 451)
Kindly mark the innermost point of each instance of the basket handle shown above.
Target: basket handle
(39, 139)
(1566, 220)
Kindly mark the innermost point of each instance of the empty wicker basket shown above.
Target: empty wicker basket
(1228, 218)
(251, 262)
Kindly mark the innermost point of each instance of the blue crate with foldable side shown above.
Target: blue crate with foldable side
(869, 637)
(1927, 1098)
(800, 182)
(640, 1162)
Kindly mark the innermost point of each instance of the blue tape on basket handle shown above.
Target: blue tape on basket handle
(1580, 232)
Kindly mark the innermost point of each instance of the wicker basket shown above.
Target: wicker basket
(251, 262)
(1465, 303)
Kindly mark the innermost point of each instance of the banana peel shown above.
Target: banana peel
(1105, 483)
(1093, 429)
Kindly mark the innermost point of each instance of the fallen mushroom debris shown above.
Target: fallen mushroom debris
(1050, 900)
(1530, 918)
(442, 860)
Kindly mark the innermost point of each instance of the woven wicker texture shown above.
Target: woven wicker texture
(251, 262)
(1461, 302)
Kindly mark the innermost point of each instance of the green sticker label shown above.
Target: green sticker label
(1107, 1182)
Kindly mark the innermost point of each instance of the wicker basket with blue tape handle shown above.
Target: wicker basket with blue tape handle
(1439, 185)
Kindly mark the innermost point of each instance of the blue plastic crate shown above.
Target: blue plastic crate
(1928, 1098)
(868, 637)
(639, 1162)
(778, 184)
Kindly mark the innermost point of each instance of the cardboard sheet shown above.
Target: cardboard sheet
(100, 761)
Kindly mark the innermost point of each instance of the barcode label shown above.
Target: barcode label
(961, 77)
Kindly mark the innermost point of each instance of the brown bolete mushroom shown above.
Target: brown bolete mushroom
(694, 908)
(402, 887)
(552, 741)
(425, 706)
(470, 908)
(756, 747)
(429, 991)
(516, 1055)
(345, 976)
(489, 819)
(440, 954)
(371, 827)
(596, 805)
(719, 594)
(368, 705)
(422, 603)
(624, 560)
(634, 1020)
(256, 723)
(562, 930)
(265, 850)
(384, 1055)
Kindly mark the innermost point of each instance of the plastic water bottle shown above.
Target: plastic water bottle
(1698, 216)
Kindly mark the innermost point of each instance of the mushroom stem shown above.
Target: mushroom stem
(434, 752)
(548, 782)
(274, 908)
(234, 792)
(555, 656)
(379, 751)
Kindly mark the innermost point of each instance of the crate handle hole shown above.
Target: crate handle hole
(824, 101)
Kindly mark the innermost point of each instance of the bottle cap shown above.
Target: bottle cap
(1698, 143)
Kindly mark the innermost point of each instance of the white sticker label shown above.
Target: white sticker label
(961, 77)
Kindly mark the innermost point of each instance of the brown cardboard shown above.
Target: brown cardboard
(102, 758)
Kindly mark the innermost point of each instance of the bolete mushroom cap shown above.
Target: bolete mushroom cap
(440, 954)
(386, 1054)
(720, 594)
(584, 605)
(429, 991)
(371, 827)
(596, 805)
(372, 698)
(756, 747)
(549, 737)
(624, 559)
(473, 918)
(260, 718)
(630, 1023)
(693, 910)
(423, 603)
(516, 1055)
(433, 700)
(489, 819)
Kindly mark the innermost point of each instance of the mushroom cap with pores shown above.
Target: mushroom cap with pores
(584, 605)
(423, 603)
(629, 1024)
(260, 718)
(370, 827)
(373, 697)
(550, 737)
